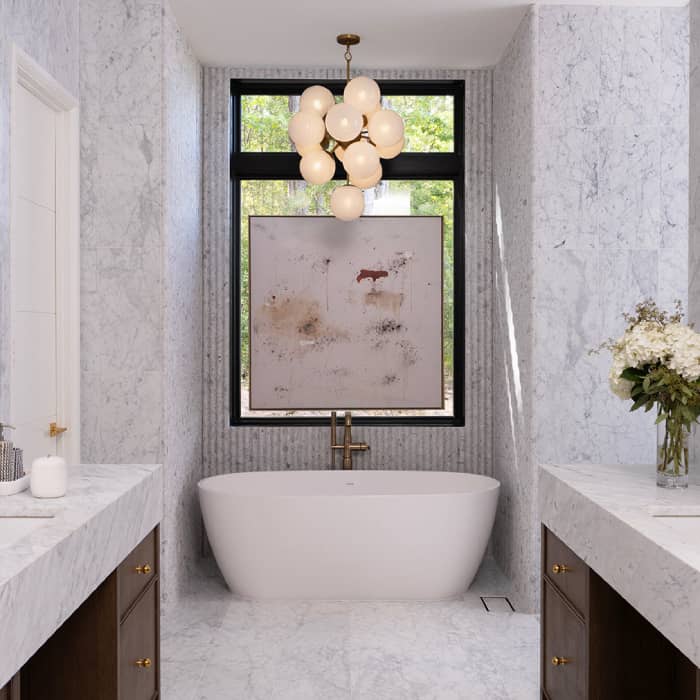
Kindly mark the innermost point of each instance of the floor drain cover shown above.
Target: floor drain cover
(497, 603)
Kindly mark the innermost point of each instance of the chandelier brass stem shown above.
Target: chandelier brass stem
(348, 40)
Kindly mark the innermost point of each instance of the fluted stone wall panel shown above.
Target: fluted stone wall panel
(231, 449)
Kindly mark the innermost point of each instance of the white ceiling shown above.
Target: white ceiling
(395, 33)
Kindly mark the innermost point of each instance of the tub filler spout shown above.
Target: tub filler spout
(348, 446)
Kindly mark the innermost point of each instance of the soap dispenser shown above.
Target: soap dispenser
(7, 455)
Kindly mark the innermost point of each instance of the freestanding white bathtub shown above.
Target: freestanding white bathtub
(341, 535)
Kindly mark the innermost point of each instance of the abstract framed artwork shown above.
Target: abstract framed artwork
(345, 315)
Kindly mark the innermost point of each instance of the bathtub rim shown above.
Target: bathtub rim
(490, 484)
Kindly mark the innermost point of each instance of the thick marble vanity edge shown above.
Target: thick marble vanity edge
(604, 513)
(45, 576)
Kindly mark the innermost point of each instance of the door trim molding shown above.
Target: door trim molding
(30, 75)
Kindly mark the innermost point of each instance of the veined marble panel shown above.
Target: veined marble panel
(122, 300)
(675, 65)
(515, 542)
(630, 76)
(568, 76)
(182, 273)
(674, 174)
(141, 322)
(566, 190)
(694, 181)
(629, 200)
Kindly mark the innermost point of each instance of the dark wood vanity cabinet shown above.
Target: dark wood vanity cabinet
(595, 645)
(109, 648)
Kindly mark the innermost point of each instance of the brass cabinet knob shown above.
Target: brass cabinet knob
(55, 430)
(145, 569)
(144, 663)
(560, 661)
(560, 569)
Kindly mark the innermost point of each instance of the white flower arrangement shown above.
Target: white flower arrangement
(656, 363)
(648, 343)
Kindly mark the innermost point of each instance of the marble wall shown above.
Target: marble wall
(46, 30)
(611, 211)
(229, 449)
(514, 540)
(694, 191)
(122, 336)
(607, 178)
(182, 276)
(141, 252)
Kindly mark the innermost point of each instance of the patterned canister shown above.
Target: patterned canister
(19, 462)
(7, 456)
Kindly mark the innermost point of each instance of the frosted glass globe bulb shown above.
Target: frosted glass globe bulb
(317, 167)
(347, 203)
(303, 150)
(367, 182)
(363, 94)
(385, 128)
(388, 152)
(316, 99)
(344, 122)
(306, 128)
(361, 159)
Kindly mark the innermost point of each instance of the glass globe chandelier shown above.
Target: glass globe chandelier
(357, 131)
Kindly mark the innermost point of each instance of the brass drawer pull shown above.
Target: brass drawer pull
(560, 569)
(560, 661)
(145, 569)
(144, 663)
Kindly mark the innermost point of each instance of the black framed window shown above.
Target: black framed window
(427, 178)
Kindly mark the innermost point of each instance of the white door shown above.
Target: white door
(33, 255)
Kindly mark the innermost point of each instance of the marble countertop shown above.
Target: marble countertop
(46, 575)
(606, 514)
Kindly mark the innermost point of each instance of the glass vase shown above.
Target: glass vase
(673, 445)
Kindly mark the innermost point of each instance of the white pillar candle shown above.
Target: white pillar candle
(49, 477)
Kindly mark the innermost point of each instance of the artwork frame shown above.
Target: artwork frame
(430, 344)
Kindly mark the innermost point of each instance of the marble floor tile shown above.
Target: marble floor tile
(218, 647)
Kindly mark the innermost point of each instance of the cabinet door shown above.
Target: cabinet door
(565, 665)
(566, 572)
(80, 660)
(138, 649)
(137, 571)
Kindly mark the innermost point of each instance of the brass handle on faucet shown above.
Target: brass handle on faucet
(347, 446)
